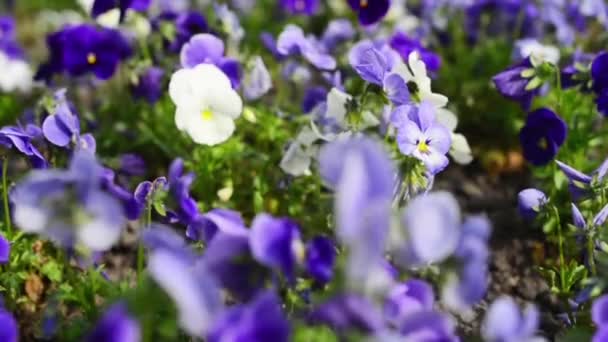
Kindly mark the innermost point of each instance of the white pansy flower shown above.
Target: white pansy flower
(298, 157)
(417, 73)
(16, 76)
(460, 150)
(206, 103)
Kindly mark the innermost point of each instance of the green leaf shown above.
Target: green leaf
(53, 271)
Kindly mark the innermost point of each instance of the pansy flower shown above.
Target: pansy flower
(306, 7)
(530, 201)
(405, 45)
(420, 135)
(542, 136)
(116, 325)
(149, 84)
(206, 103)
(292, 41)
(515, 84)
(84, 48)
(103, 6)
(22, 140)
(504, 321)
(599, 69)
(370, 11)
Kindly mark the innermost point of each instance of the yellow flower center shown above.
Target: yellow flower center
(363, 3)
(543, 144)
(423, 146)
(91, 58)
(207, 114)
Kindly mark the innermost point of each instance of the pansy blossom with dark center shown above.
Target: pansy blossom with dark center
(84, 48)
(542, 136)
(370, 11)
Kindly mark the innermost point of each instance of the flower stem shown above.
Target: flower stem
(140, 247)
(560, 246)
(590, 254)
(7, 213)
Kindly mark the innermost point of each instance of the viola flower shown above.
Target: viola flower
(406, 299)
(258, 80)
(179, 187)
(532, 48)
(432, 224)
(347, 312)
(460, 151)
(298, 156)
(230, 23)
(420, 135)
(515, 84)
(292, 41)
(187, 24)
(188, 282)
(5, 250)
(599, 68)
(370, 11)
(116, 325)
(418, 82)
(405, 45)
(542, 136)
(276, 243)
(599, 315)
(207, 48)
(103, 6)
(9, 330)
(84, 48)
(260, 320)
(206, 104)
(362, 175)
(530, 201)
(69, 206)
(305, 7)
(21, 140)
(505, 322)
(338, 31)
(149, 85)
(62, 127)
(320, 259)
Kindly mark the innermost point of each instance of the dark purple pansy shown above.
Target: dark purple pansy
(370, 11)
(187, 24)
(179, 187)
(8, 42)
(261, 320)
(599, 75)
(84, 48)
(306, 7)
(320, 259)
(542, 136)
(512, 83)
(116, 325)
(149, 84)
(313, 97)
(405, 45)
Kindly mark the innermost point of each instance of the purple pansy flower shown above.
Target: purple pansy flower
(599, 315)
(348, 311)
(599, 69)
(179, 187)
(84, 48)
(21, 140)
(62, 127)
(370, 11)
(217, 220)
(420, 135)
(433, 229)
(69, 206)
(313, 96)
(275, 243)
(337, 32)
(530, 201)
(149, 84)
(261, 320)
(116, 325)
(5, 250)
(542, 136)
(430, 326)
(292, 41)
(187, 24)
(207, 48)
(512, 83)
(189, 283)
(8, 39)
(306, 7)
(320, 259)
(258, 80)
(504, 322)
(406, 299)
(9, 330)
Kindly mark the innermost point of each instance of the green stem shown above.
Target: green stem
(7, 213)
(562, 263)
(558, 76)
(140, 248)
(590, 254)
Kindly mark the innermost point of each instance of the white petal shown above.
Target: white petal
(212, 131)
(447, 118)
(29, 219)
(460, 150)
(225, 101)
(98, 235)
(336, 105)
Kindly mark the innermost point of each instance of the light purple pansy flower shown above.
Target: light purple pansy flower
(432, 223)
(258, 80)
(407, 298)
(307, 7)
(9, 330)
(292, 41)
(504, 322)
(420, 135)
(189, 283)
(5, 250)
(209, 49)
